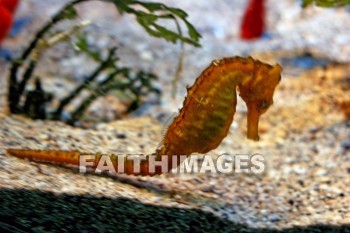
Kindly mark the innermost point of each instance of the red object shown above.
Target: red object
(10, 5)
(7, 8)
(253, 22)
(5, 22)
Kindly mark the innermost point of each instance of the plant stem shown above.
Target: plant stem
(105, 64)
(15, 92)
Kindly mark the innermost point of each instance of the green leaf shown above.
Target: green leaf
(306, 3)
(146, 19)
(178, 12)
(151, 12)
(122, 5)
(167, 34)
(82, 45)
(326, 3)
(195, 36)
(151, 6)
(70, 13)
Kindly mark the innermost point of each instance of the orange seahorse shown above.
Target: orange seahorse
(206, 115)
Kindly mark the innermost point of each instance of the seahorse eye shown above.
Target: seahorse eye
(264, 104)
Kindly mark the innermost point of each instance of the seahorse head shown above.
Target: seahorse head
(257, 92)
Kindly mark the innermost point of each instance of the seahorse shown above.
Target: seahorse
(205, 118)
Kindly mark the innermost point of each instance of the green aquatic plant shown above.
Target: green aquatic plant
(326, 3)
(147, 14)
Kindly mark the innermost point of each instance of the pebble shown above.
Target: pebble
(346, 144)
(121, 136)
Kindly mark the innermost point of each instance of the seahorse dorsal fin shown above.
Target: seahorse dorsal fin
(166, 124)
